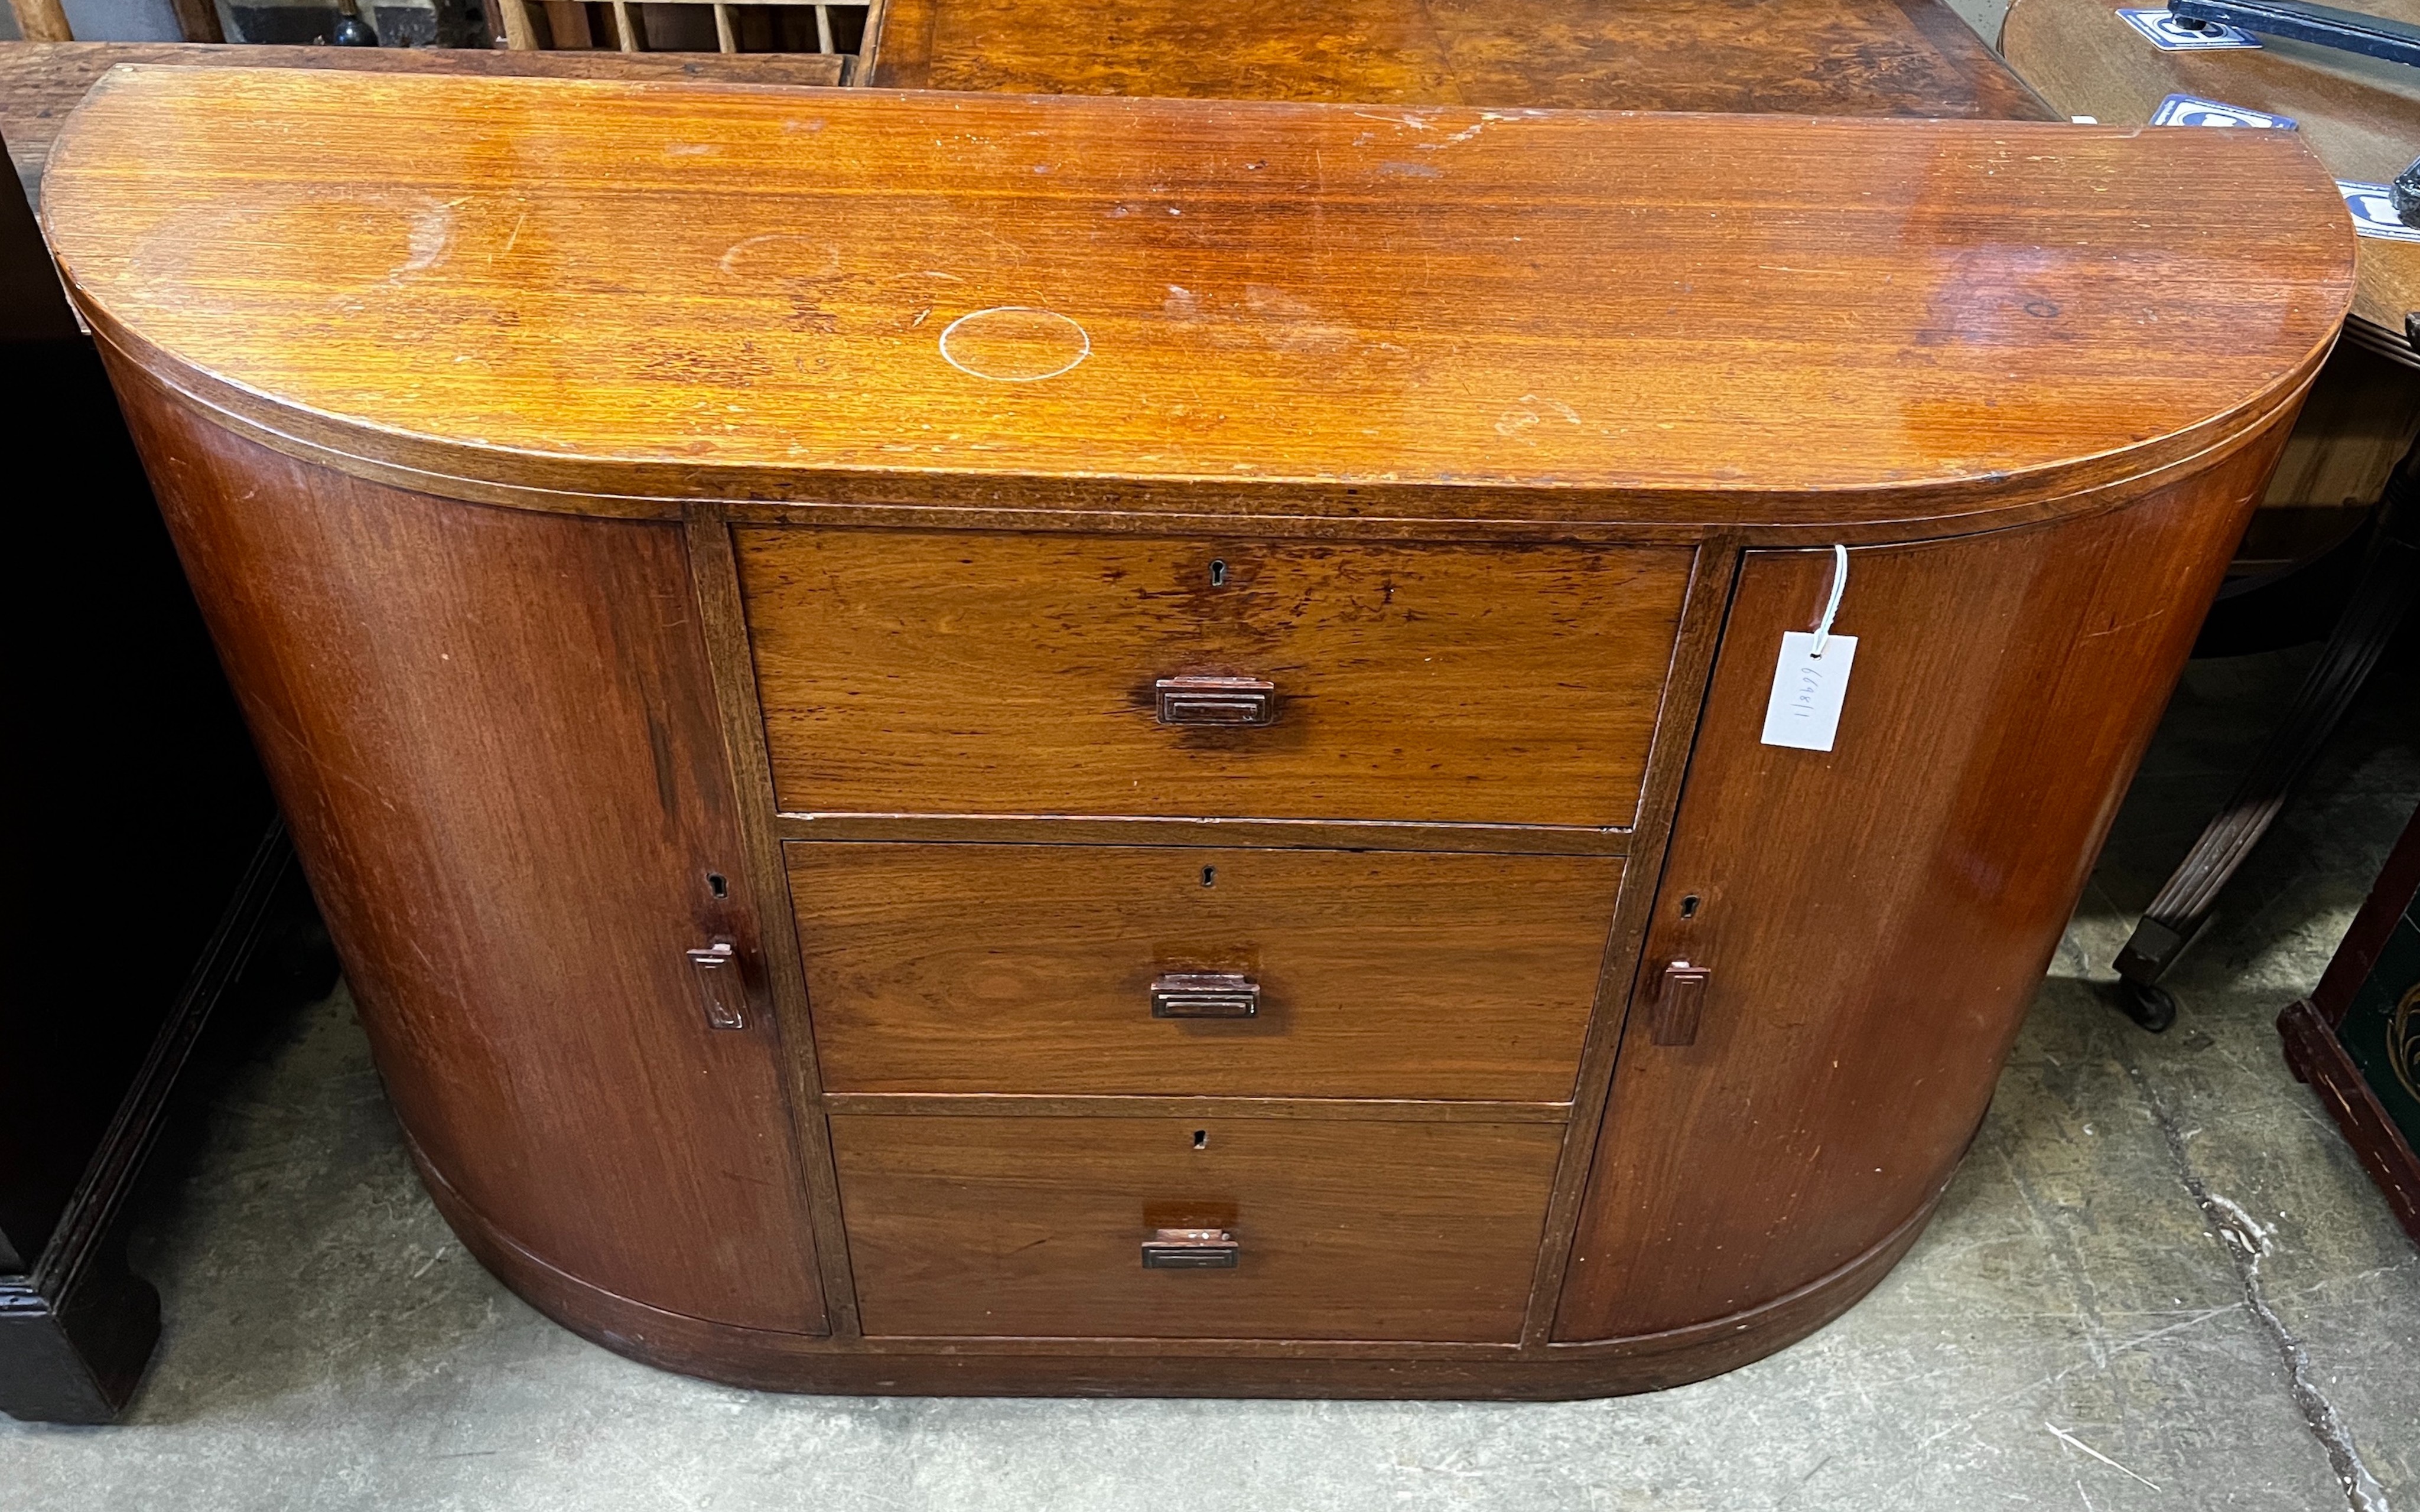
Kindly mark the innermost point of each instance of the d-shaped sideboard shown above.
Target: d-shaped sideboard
(977, 743)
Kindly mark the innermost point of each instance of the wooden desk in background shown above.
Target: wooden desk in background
(1818, 58)
(2361, 115)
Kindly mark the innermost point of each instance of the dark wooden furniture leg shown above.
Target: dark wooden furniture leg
(2388, 583)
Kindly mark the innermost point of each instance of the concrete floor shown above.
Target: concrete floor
(2084, 1325)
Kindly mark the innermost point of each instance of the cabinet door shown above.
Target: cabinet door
(1874, 919)
(494, 735)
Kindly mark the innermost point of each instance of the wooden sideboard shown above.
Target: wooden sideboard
(971, 743)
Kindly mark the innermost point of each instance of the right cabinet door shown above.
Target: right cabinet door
(1873, 919)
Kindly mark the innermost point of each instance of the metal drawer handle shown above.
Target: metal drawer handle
(1204, 995)
(716, 969)
(1220, 701)
(1189, 1249)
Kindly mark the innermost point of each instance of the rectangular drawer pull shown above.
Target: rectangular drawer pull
(716, 969)
(1205, 995)
(1189, 1249)
(1680, 998)
(1228, 700)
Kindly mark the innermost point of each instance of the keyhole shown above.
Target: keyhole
(1219, 573)
(1209, 877)
(717, 883)
(1689, 907)
(1201, 1138)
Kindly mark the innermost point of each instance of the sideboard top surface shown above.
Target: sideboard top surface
(619, 289)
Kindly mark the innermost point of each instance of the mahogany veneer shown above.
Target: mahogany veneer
(975, 744)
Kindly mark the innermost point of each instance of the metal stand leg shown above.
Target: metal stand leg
(2388, 584)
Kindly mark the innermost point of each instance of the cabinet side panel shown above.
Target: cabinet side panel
(1875, 919)
(495, 736)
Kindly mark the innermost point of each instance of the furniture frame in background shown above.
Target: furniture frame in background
(2379, 960)
(530, 25)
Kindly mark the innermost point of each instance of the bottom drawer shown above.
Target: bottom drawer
(1343, 1228)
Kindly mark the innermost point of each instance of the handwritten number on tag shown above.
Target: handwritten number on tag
(1805, 709)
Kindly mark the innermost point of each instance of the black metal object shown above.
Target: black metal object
(2404, 194)
(352, 31)
(2348, 31)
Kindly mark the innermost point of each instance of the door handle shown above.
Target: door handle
(1680, 999)
(719, 987)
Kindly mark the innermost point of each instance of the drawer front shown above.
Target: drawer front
(979, 674)
(1342, 1229)
(1182, 971)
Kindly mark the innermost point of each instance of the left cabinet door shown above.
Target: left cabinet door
(495, 736)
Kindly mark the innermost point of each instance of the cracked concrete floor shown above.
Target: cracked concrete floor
(2160, 1282)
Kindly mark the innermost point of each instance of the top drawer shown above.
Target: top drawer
(981, 673)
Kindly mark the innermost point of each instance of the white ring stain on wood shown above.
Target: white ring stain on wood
(1045, 328)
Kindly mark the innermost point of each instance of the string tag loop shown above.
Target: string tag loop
(1831, 605)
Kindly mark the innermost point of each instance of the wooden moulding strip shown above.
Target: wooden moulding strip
(1049, 1105)
(714, 574)
(1703, 614)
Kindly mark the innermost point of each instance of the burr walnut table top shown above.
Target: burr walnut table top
(1846, 58)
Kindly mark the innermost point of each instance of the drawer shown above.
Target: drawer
(1343, 1228)
(990, 673)
(1032, 970)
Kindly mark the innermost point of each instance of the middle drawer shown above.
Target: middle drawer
(1181, 971)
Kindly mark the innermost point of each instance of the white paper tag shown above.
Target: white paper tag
(1805, 709)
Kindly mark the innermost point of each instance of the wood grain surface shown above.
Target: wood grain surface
(2361, 115)
(864, 295)
(41, 82)
(1878, 916)
(1827, 57)
(965, 672)
(1349, 1230)
(1027, 969)
(447, 698)
(1512, 466)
